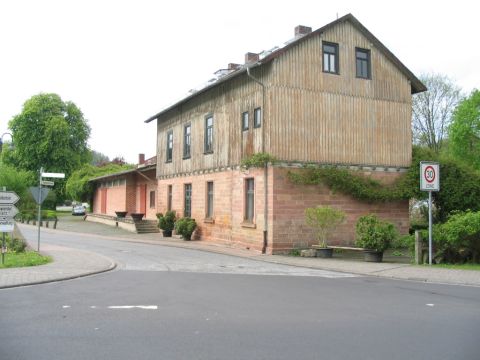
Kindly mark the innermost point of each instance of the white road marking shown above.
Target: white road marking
(93, 307)
(66, 306)
(432, 305)
(144, 307)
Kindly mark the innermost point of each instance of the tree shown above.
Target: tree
(432, 110)
(78, 186)
(99, 158)
(464, 131)
(49, 133)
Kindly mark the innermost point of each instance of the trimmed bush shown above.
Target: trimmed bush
(185, 227)
(375, 234)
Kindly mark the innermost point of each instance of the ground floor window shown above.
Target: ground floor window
(249, 199)
(187, 211)
(169, 197)
(152, 199)
(209, 205)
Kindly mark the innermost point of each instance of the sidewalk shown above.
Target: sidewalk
(63, 259)
(67, 264)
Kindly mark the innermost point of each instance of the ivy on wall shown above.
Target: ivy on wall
(357, 185)
(258, 160)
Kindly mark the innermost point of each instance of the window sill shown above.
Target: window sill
(186, 157)
(248, 224)
(209, 221)
(331, 72)
(168, 161)
(208, 152)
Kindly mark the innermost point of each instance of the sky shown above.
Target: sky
(123, 61)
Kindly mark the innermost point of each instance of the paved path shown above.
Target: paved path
(68, 264)
(71, 263)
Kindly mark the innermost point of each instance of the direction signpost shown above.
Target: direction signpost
(40, 194)
(429, 181)
(7, 211)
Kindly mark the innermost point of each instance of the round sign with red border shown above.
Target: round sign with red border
(429, 174)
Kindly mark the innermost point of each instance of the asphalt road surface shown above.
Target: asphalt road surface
(170, 303)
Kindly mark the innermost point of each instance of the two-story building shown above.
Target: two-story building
(336, 95)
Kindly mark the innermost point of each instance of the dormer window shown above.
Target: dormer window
(330, 57)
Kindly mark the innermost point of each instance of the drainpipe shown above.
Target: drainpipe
(265, 169)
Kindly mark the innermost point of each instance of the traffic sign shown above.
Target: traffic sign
(8, 211)
(53, 175)
(47, 183)
(429, 176)
(6, 225)
(34, 190)
(8, 197)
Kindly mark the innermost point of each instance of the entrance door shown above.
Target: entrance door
(103, 199)
(143, 199)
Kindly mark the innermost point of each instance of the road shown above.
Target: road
(171, 303)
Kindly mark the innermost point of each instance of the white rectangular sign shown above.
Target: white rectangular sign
(429, 176)
(6, 225)
(47, 183)
(53, 175)
(8, 197)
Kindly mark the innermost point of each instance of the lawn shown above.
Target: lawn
(29, 258)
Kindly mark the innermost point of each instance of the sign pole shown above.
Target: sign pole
(430, 228)
(39, 207)
(3, 249)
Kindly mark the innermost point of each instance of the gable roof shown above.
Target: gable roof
(416, 85)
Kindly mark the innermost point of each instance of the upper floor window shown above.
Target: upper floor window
(208, 148)
(363, 66)
(245, 121)
(257, 117)
(330, 57)
(169, 153)
(187, 141)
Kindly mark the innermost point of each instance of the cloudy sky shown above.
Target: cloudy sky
(122, 61)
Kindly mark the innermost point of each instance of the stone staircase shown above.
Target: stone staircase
(147, 226)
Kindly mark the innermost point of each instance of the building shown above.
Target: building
(336, 95)
(132, 191)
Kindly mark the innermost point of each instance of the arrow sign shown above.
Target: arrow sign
(8, 211)
(53, 175)
(8, 197)
(34, 191)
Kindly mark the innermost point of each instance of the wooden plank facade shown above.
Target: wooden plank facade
(307, 116)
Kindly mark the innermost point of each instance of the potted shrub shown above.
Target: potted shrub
(167, 223)
(323, 219)
(185, 227)
(375, 236)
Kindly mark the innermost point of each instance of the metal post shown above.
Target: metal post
(39, 206)
(3, 247)
(430, 228)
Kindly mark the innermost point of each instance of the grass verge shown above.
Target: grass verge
(29, 258)
(458, 267)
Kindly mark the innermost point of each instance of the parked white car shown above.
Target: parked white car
(78, 210)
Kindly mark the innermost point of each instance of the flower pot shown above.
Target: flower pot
(167, 233)
(373, 256)
(324, 253)
(121, 214)
(137, 217)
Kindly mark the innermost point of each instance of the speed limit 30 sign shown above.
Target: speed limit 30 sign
(429, 176)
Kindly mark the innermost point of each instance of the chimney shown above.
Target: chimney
(301, 30)
(251, 58)
(233, 66)
(141, 159)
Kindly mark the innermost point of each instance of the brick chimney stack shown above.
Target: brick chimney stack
(233, 66)
(141, 159)
(301, 30)
(251, 58)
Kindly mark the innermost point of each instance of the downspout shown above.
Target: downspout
(265, 169)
